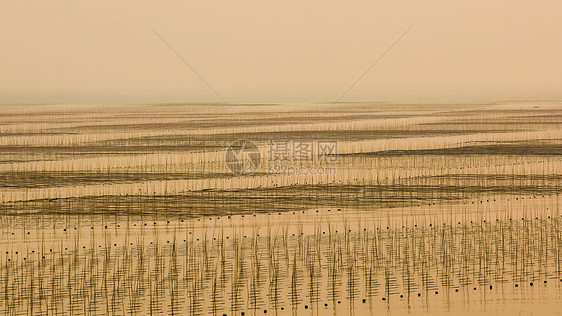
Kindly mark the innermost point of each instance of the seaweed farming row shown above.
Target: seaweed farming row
(322, 261)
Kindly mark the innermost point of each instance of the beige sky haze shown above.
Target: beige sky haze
(279, 51)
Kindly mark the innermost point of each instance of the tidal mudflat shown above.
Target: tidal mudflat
(366, 209)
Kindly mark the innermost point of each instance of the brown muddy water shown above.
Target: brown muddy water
(384, 209)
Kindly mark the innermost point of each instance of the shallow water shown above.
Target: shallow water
(432, 210)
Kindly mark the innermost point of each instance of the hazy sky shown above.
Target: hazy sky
(279, 51)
